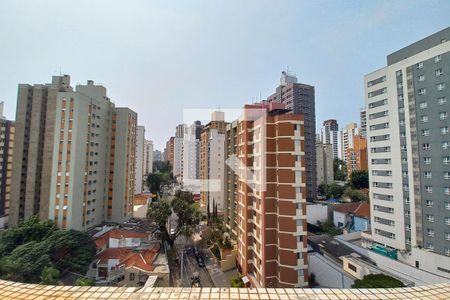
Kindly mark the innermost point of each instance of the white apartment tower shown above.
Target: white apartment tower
(408, 105)
(140, 160)
(346, 136)
(191, 151)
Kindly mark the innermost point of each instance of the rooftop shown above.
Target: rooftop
(118, 234)
(360, 209)
(141, 259)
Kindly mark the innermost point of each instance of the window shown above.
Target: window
(423, 119)
(447, 190)
(421, 78)
(429, 189)
(440, 86)
(443, 115)
(447, 205)
(439, 72)
(446, 175)
(419, 65)
(408, 227)
(429, 203)
(425, 132)
(427, 174)
(437, 58)
(442, 100)
(423, 105)
(351, 267)
(430, 218)
(445, 145)
(429, 246)
(444, 130)
(446, 160)
(131, 276)
(447, 236)
(430, 232)
(422, 91)
(408, 241)
(426, 146)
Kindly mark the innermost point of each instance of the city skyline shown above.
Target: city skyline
(212, 59)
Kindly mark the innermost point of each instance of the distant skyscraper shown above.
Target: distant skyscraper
(179, 131)
(169, 151)
(6, 156)
(408, 105)
(300, 99)
(363, 121)
(324, 158)
(330, 135)
(158, 155)
(346, 136)
(356, 158)
(78, 168)
(149, 157)
(191, 155)
(139, 174)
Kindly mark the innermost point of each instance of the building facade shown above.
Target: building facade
(409, 159)
(212, 162)
(169, 151)
(330, 135)
(270, 196)
(140, 160)
(346, 136)
(356, 158)
(88, 167)
(300, 99)
(149, 157)
(6, 156)
(191, 158)
(324, 159)
(363, 121)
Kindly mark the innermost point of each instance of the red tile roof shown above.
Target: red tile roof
(360, 209)
(117, 234)
(141, 199)
(141, 259)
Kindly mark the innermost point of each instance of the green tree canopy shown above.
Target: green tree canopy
(331, 190)
(49, 276)
(340, 169)
(36, 245)
(359, 179)
(377, 281)
(355, 195)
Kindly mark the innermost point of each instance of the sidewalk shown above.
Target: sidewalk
(220, 279)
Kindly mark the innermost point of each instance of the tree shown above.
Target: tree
(153, 182)
(36, 245)
(331, 190)
(162, 166)
(49, 276)
(159, 213)
(377, 281)
(340, 169)
(355, 195)
(85, 282)
(359, 179)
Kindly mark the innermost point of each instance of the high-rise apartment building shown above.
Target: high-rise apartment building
(363, 121)
(346, 136)
(178, 158)
(300, 99)
(158, 155)
(330, 135)
(169, 151)
(140, 160)
(212, 161)
(191, 157)
(33, 148)
(324, 159)
(80, 147)
(149, 157)
(6, 156)
(408, 103)
(266, 195)
(357, 155)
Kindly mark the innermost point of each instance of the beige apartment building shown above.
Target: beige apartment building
(6, 153)
(268, 195)
(212, 162)
(82, 163)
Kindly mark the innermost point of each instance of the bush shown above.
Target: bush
(85, 282)
(377, 281)
(49, 276)
(355, 195)
(237, 282)
(216, 251)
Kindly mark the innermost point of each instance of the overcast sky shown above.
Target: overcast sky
(160, 57)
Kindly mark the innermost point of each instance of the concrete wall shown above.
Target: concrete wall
(316, 212)
(328, 273)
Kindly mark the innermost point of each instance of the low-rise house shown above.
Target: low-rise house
(118, 238)
(140, 205)
(352, 217)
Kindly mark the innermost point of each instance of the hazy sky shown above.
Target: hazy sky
(159, 57)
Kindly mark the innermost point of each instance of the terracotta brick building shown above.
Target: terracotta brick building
(269, 195)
